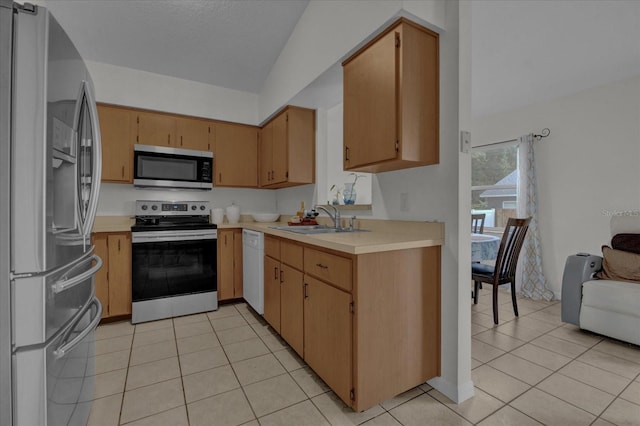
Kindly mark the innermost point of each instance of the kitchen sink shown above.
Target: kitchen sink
(315, 229)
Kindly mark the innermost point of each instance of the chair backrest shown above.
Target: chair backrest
(477, 223)
(510, 247)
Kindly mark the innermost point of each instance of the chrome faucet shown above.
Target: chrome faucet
(335, 217)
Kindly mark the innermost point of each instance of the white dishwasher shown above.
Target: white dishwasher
(253, 269)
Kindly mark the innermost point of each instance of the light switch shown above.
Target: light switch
(465, 141)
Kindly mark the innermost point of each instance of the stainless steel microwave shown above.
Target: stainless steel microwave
(162, 167)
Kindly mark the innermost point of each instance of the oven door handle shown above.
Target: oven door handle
(135, 239)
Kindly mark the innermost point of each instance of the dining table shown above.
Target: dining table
(484, 247)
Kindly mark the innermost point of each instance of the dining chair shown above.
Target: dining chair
(477, 223)
(504, 271)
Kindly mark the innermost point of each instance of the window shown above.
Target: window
(494, 183)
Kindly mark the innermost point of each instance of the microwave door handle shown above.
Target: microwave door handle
(96, 152)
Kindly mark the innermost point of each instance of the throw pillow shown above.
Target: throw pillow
(626, 242)
(620, 265)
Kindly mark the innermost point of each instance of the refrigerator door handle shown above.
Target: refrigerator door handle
(65, 283)
(68, 346)
(96, 151)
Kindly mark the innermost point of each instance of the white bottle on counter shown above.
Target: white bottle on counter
(233, 213)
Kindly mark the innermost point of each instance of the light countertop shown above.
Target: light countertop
(383, 235)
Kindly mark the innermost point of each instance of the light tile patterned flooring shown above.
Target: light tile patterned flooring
(229, 368)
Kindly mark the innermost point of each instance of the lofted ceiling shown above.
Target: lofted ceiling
(523, 51)
(227, 43)
(528, 51)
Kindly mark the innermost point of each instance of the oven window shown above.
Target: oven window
(173, 268)
(157, 167)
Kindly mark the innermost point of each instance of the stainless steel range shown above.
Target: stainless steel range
(174, 260)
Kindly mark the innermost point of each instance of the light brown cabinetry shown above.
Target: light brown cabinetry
(236, 155)
(283, 290)
(229, 264)
(113, 281)
(161, 129)
(155, 128)
(272, 292)
(391, 101)
(370, 322)
(287, 149)
(117, 133)
(194, 133)
(328, 332)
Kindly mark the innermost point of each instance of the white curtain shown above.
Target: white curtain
(533, 282)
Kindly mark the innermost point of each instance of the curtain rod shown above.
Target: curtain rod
(543, 134)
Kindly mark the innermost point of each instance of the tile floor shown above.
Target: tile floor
(229, 368)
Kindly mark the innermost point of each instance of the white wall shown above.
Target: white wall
(587, 168)
(141, 89)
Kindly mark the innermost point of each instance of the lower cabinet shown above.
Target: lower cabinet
(113, 281)
(291, 316)
(367, 324)
(229, 264)
(283, 290)
(272, 292)
(328, 335)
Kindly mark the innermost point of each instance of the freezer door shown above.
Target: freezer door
(43, 304)
(54, 383)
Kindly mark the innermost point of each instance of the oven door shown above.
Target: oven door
(173, 263)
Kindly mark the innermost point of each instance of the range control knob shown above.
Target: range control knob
(154, 207)
(193, 207)
(201, 207)
(144, 207)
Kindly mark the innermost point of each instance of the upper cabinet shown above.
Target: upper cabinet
(391, 101)
(117, 132)
(160, 129)
(287, 149)
(195, 133)
(156, 129)
(236, 155)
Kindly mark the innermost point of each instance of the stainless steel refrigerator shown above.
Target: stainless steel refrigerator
(50, 163)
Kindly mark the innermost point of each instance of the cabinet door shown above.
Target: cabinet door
(272, 292)
(225, 264)
(237, 263)
(156, 129)
(117, 150)
(119, 274)
(193, 133)
(236, 155)
(102, 277)
(291, 303)
(370, 104)
(279, 151)
(328, 335)
(266, 146)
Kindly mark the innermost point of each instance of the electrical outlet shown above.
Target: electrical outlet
(404, 201)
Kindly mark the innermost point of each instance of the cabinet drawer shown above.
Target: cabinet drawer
(291, 254)
(328, 267)
(272, 247)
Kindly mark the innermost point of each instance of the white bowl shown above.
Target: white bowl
(265, 217)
